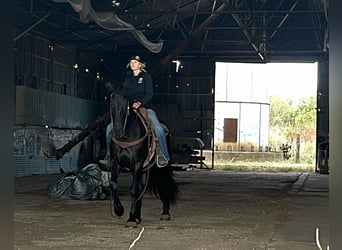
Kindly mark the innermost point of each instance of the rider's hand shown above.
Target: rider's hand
(136, 105)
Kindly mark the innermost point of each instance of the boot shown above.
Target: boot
(105, 161)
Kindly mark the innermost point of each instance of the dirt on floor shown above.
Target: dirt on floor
(215, 210)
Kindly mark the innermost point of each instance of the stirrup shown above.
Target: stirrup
(105, 161)
(165, 162)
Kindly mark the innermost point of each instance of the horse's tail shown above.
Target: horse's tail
(162, 184)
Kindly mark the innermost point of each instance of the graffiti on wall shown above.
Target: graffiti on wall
(27, 142)
(37, 141)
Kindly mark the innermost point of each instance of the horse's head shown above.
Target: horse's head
(119, 108)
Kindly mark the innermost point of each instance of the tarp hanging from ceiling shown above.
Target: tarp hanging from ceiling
(110, 21)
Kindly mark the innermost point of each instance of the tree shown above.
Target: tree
(290, 118)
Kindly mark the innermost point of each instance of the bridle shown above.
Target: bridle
(127, 144)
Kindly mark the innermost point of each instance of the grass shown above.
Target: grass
(244, 166)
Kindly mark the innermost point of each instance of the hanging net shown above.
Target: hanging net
(110, 21)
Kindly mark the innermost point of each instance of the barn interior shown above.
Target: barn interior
(67, 51)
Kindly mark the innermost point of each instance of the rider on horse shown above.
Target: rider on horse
(138, 89)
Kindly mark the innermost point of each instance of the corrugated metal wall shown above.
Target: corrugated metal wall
(33, 145)
(43, 119)
(37, 107)
(185, 99)
(41, 65)
(54, 102)
(24, 165)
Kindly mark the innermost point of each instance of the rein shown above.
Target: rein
(127, 144)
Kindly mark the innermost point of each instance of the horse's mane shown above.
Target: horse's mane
(127, 124)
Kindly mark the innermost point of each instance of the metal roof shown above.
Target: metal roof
(229, 30)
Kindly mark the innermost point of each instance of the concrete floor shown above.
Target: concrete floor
(216, 210)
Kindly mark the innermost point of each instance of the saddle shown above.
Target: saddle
(153, 143)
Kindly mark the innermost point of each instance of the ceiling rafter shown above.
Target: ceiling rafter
(182, 46)
(206, 31)
(253, 26)
(195, 15)
(283, 20)
(249, 39)
(31, 27)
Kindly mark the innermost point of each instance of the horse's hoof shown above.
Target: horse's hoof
(119, 210)
(132, 224)
(165, 217)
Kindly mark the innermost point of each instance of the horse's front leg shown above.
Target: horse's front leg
(136, 191)
(117, 206)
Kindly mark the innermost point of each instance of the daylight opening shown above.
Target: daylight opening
(266, 108)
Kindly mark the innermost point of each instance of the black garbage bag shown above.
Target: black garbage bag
(85, 184)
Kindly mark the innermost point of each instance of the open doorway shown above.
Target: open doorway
(266, 112)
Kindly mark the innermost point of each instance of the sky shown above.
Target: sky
(291, 79)
(287, 80)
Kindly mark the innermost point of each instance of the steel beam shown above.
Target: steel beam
(183, 45)
(31, 27)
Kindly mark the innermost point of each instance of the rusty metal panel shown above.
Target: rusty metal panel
(230, 130)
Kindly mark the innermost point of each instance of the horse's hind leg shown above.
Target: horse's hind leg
(118, 208)
(165, 215)
(167, 189)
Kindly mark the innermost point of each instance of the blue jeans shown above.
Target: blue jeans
(158, 129)
(108, 136)
(160, 133)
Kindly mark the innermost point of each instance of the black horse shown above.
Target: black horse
(131, 148)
